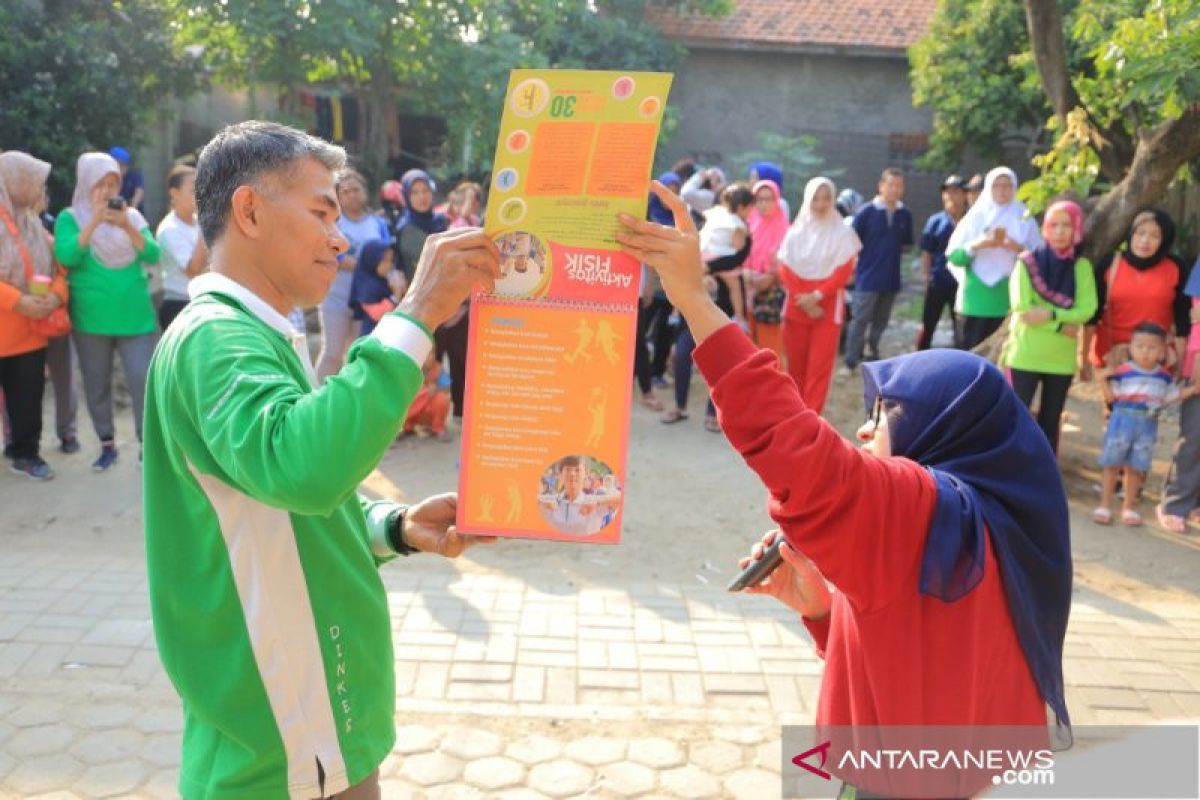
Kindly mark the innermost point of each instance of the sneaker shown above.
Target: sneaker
(69, 445)
(33, 468)
(108, 457)
(661, 382)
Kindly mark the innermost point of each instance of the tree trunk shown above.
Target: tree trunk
(1045, 23)
(378, 107)
(1160, 154)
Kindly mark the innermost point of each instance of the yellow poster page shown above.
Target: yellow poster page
(550, 353)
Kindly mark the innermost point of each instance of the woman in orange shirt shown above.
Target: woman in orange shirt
(31, 288)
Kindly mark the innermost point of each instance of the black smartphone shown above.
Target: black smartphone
(116, 203)
(757, 571)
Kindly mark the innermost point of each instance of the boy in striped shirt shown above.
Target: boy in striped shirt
(1137, 390)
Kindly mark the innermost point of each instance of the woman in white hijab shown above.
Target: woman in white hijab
(983, 251)
(106, 247)
(818, 255)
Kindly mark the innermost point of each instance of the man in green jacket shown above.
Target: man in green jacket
(269, 612)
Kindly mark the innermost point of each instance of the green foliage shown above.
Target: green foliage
(1141, 73)
(972, 69)
(796, 155)
(78, 76)
(1131, 62)
(448, 58)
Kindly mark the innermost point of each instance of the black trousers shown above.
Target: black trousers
(168, 311)
(976, 329)
(641, 350)
(451, 341)
(937, 300)
(23, 378)
(662, 333)
(1054, 399)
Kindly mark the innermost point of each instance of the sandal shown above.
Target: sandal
(1131, 518)
(651, 402)
(673, 416)
(711, 425)
(1171, 523)
(1102, 516)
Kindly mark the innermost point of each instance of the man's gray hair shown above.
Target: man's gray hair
(242, 154)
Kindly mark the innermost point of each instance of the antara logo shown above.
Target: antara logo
(823, 749)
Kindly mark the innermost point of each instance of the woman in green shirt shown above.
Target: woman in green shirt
(105, 247)
(1053, 293)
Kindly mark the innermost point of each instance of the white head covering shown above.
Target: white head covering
(992, 264)
(22, 183)
(815, 246)
(108, 244)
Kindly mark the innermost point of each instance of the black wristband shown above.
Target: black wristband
(395, 533)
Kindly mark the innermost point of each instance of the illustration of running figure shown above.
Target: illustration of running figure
(596, 406)
(608, 340)
(515, 506)
(586, 335)
(485, 512)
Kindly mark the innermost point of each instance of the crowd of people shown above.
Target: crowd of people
(946, 534)
(95, 282)
(825, 284)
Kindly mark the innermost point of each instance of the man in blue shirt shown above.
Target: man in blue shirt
(885, 228)
(940, 285)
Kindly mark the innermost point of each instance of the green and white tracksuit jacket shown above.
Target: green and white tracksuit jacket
(269, 612)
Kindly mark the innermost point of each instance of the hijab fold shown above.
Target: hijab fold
(22, 183)
(428, 221)
(995, 474)
(1167, 226)
(815, 246)
(993, 264)
(766, 231)
(109, 244)
(1052, 272)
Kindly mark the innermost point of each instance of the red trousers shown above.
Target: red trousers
(811, 355)
(430, 408)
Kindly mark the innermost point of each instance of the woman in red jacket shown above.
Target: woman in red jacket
(947, 539)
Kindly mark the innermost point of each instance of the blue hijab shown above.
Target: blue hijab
(767, 171)
(958, 418)
(428, 221)
(657, 212)
(367, 286)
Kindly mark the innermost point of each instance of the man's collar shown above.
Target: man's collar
(878, 203)
(216, 283)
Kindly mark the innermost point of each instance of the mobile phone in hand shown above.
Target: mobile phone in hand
(116, 203)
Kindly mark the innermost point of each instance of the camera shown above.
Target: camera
(116, 203)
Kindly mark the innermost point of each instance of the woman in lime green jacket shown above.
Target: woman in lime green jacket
(105, 247)
(1053, 293)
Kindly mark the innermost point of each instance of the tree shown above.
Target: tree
(1120, 96)
(83, 75)
(448, 58)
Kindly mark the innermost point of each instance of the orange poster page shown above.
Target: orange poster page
(550, 352)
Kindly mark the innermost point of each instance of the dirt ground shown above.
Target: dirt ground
(693, 507)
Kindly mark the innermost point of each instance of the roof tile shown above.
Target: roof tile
(890, 24)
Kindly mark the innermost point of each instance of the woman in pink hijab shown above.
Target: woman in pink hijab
(764, 295)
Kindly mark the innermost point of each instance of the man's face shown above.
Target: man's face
(891, 189)
(954, 201)
(183, 199)
(352, 196)
(300, 241)
(572, 480)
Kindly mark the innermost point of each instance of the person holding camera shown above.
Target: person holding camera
(105, 247)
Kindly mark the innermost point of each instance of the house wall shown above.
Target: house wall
(851, 104)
